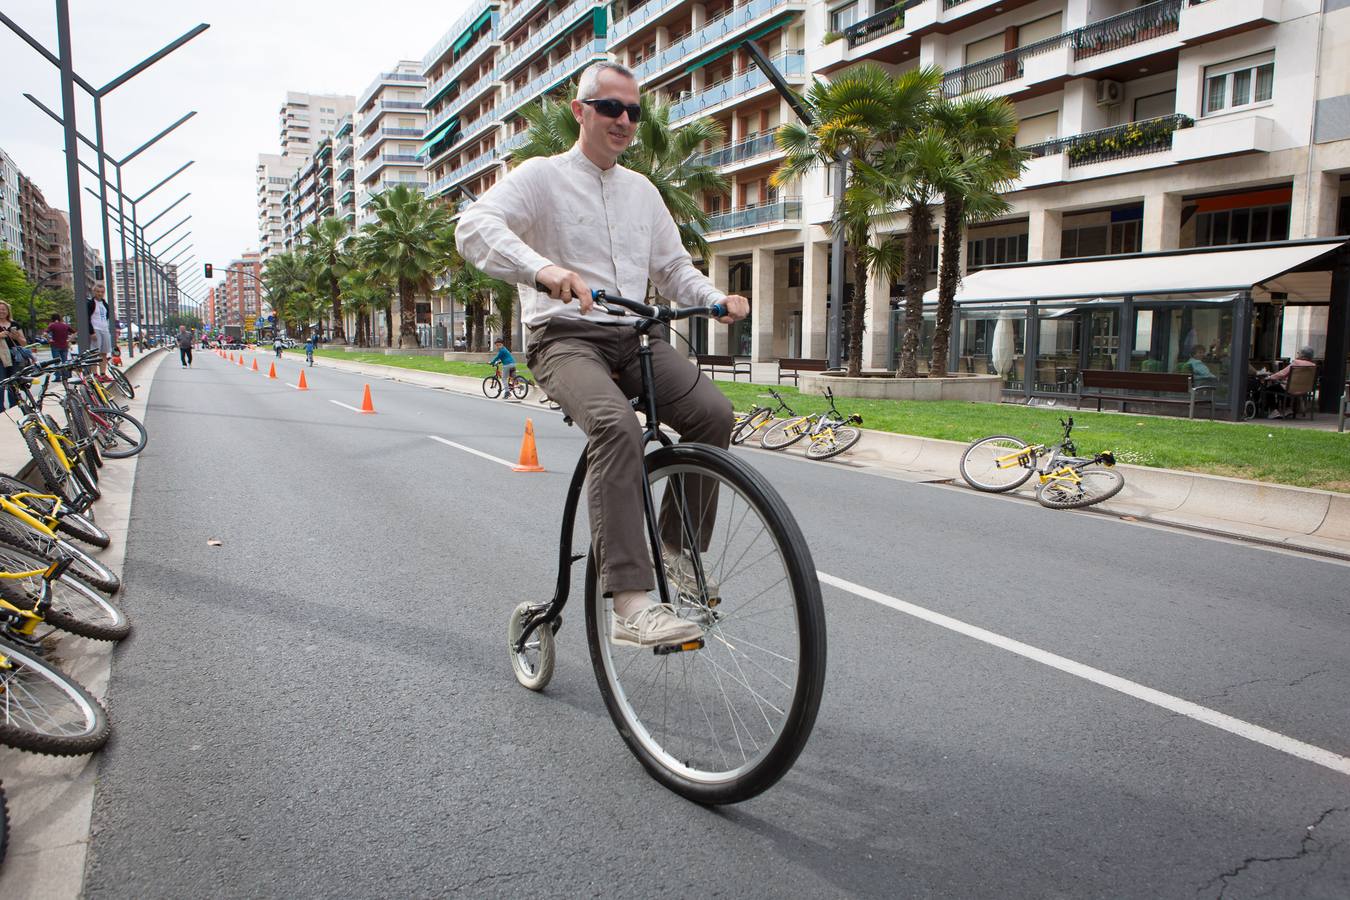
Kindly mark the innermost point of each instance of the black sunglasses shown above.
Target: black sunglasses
(612, 109)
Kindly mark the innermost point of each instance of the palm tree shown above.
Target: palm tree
(288, 279)
(981, 134)
(666, 156)
(329, 262)
(363, 292)
(404, 245)
(858, 118)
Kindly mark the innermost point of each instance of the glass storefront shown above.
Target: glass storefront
(1187, 337)
(992, 342)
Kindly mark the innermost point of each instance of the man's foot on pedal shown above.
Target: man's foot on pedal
(683, 577)
(653, 626)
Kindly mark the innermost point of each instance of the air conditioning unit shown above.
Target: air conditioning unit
(1109, 92)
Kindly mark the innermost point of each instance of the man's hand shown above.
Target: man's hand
(564, 284)
(737, 308)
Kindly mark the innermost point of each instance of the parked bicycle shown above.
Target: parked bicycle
(830, 432)
(519, 385)
(1001, 463)
(758, 418)
(722, 718)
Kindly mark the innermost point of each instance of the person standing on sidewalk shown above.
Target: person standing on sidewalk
(58, 332)
(577, 221)
(11, 339)
(100, 329)
(185, 346)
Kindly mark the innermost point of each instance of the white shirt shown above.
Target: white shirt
(607, 225)
(98, 319)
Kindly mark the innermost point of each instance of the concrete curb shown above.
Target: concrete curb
(1298, 518)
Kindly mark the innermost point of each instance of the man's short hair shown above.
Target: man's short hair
(1305, 353)
(590, 78)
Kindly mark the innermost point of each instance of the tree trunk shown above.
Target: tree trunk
(857, 318)
(338, 333)
(949, 276)
(407, 314)
(389, 325)
(362, 321)
(916, 278)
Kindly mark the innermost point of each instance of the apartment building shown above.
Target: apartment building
(344, 161)
(11, 218)
(242, 293)
(390, 124)
(308, 124)
(273, 177)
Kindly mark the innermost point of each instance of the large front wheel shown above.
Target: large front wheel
(997, 464)
(119, 434)
(1092, 485)
(721, 720)
(492, 387)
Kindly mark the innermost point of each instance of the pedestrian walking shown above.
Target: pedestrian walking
(11, 352)
(58, 335)
(185, 346)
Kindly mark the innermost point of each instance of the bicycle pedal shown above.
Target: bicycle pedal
(667, 649)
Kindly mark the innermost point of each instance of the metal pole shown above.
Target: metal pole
(109, 283)
(81, 278)
(122, 232)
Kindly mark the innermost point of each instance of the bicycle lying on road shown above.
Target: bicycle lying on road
(1000, 463)
(759, 417)
(519, 386)
(830, 432)
(722, 718)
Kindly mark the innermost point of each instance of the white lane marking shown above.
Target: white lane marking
(345, 406)
(1255, 733)
(509, 465)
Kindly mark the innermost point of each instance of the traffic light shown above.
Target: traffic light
(208, 270)
(98, 273)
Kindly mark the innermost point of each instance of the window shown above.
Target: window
(1155, 106)
(842, 17)
(1242, 226)
(1037, 129)
(1239, 84)
(1123, 234)
(992, 251)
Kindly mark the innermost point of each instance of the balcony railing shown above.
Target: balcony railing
(638, 17)
(1118, 142)
(385, 134)
(452, 74)
(473, 129)
(792, 64)
(786, 210)
(551, 29)
(460, 103)
(345, 171)
(387, 159)
(875, 26)
(706, 36)
(470, 16)
(1137, 25)
(759, 145)
(472, 167)
(515, 141)
(519, 13)
(556, 73)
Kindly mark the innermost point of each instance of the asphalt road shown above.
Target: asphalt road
(323, 703)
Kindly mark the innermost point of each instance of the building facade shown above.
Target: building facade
(390, 124)
(298, 187)
(11, 216)
(273, 177)
(242, 293)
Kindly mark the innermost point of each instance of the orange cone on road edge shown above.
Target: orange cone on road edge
(303, 385)
(529, 457)
(272, 371)
(241, 359)
(255, 363)
(366, 405)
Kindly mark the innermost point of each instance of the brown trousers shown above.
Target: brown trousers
(575, 361)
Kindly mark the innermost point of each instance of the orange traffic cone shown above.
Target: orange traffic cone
(231, 357)
(241, 359)
(272, 371)
(529, 457)
(255, 363)
(366, 406)
(303, 385)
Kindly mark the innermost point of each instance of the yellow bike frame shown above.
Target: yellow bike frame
(28, 619)
(13, 505)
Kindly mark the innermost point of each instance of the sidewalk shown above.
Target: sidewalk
(51, 799)
(1293, 518)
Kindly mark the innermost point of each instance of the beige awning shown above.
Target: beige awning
(1199, 271)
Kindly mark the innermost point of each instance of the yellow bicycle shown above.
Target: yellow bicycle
(1065, 480)
(22, 528)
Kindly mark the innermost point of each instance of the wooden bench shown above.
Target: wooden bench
(1126, 387)
(724, 365)
(793, 368)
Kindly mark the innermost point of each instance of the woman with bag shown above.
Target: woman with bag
(13, 355)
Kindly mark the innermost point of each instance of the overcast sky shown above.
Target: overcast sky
(235, 75)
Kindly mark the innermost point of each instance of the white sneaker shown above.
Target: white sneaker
(684, 580)
(653, 626)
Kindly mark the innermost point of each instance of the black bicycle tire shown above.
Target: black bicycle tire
(114, 414)
(78, 423)
(88, 484)
(57, 482)
(1081, 502)
(71, 523)
(490, 381)
(122, 382)
(764, 440)
(61, 613)
(748, 426)
(812, 642)
(96, 734)
(838, 447)
(522, 388)
(22, 536)
(988, 488)
(4, 823)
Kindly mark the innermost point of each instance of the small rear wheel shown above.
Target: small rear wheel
(993, 464)
(521, 389)
(121, 382)
(492, 387)
(534, 664)
(750, 424)
(1094, 485)
(834, 442)
(44, 709)
(785, 432)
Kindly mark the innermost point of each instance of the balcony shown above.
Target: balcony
(346, 196)
(385, 78)
(714, 31)
(1225, 136)
(386, 159)
(470, 130)
(629, 24)
(456, 31)
(460, 103)
(522, 11)
(554, 76)
(465, 171)
(876, 26)
(1063, 51)
(551, 29)
(792, 64)
(1204, 20)
(388, 106)
(1051, 160)
(515, 141)
(452, 74)
(783, 212)
(383, 186)
(385, 134)
(761, 145)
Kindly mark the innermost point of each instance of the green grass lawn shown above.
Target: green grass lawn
(1259, 451)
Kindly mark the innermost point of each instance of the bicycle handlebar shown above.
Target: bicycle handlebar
(604, 300)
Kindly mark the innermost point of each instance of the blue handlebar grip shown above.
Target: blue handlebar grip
(718, 310)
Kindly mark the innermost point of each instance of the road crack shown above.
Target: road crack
(1307, 846)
